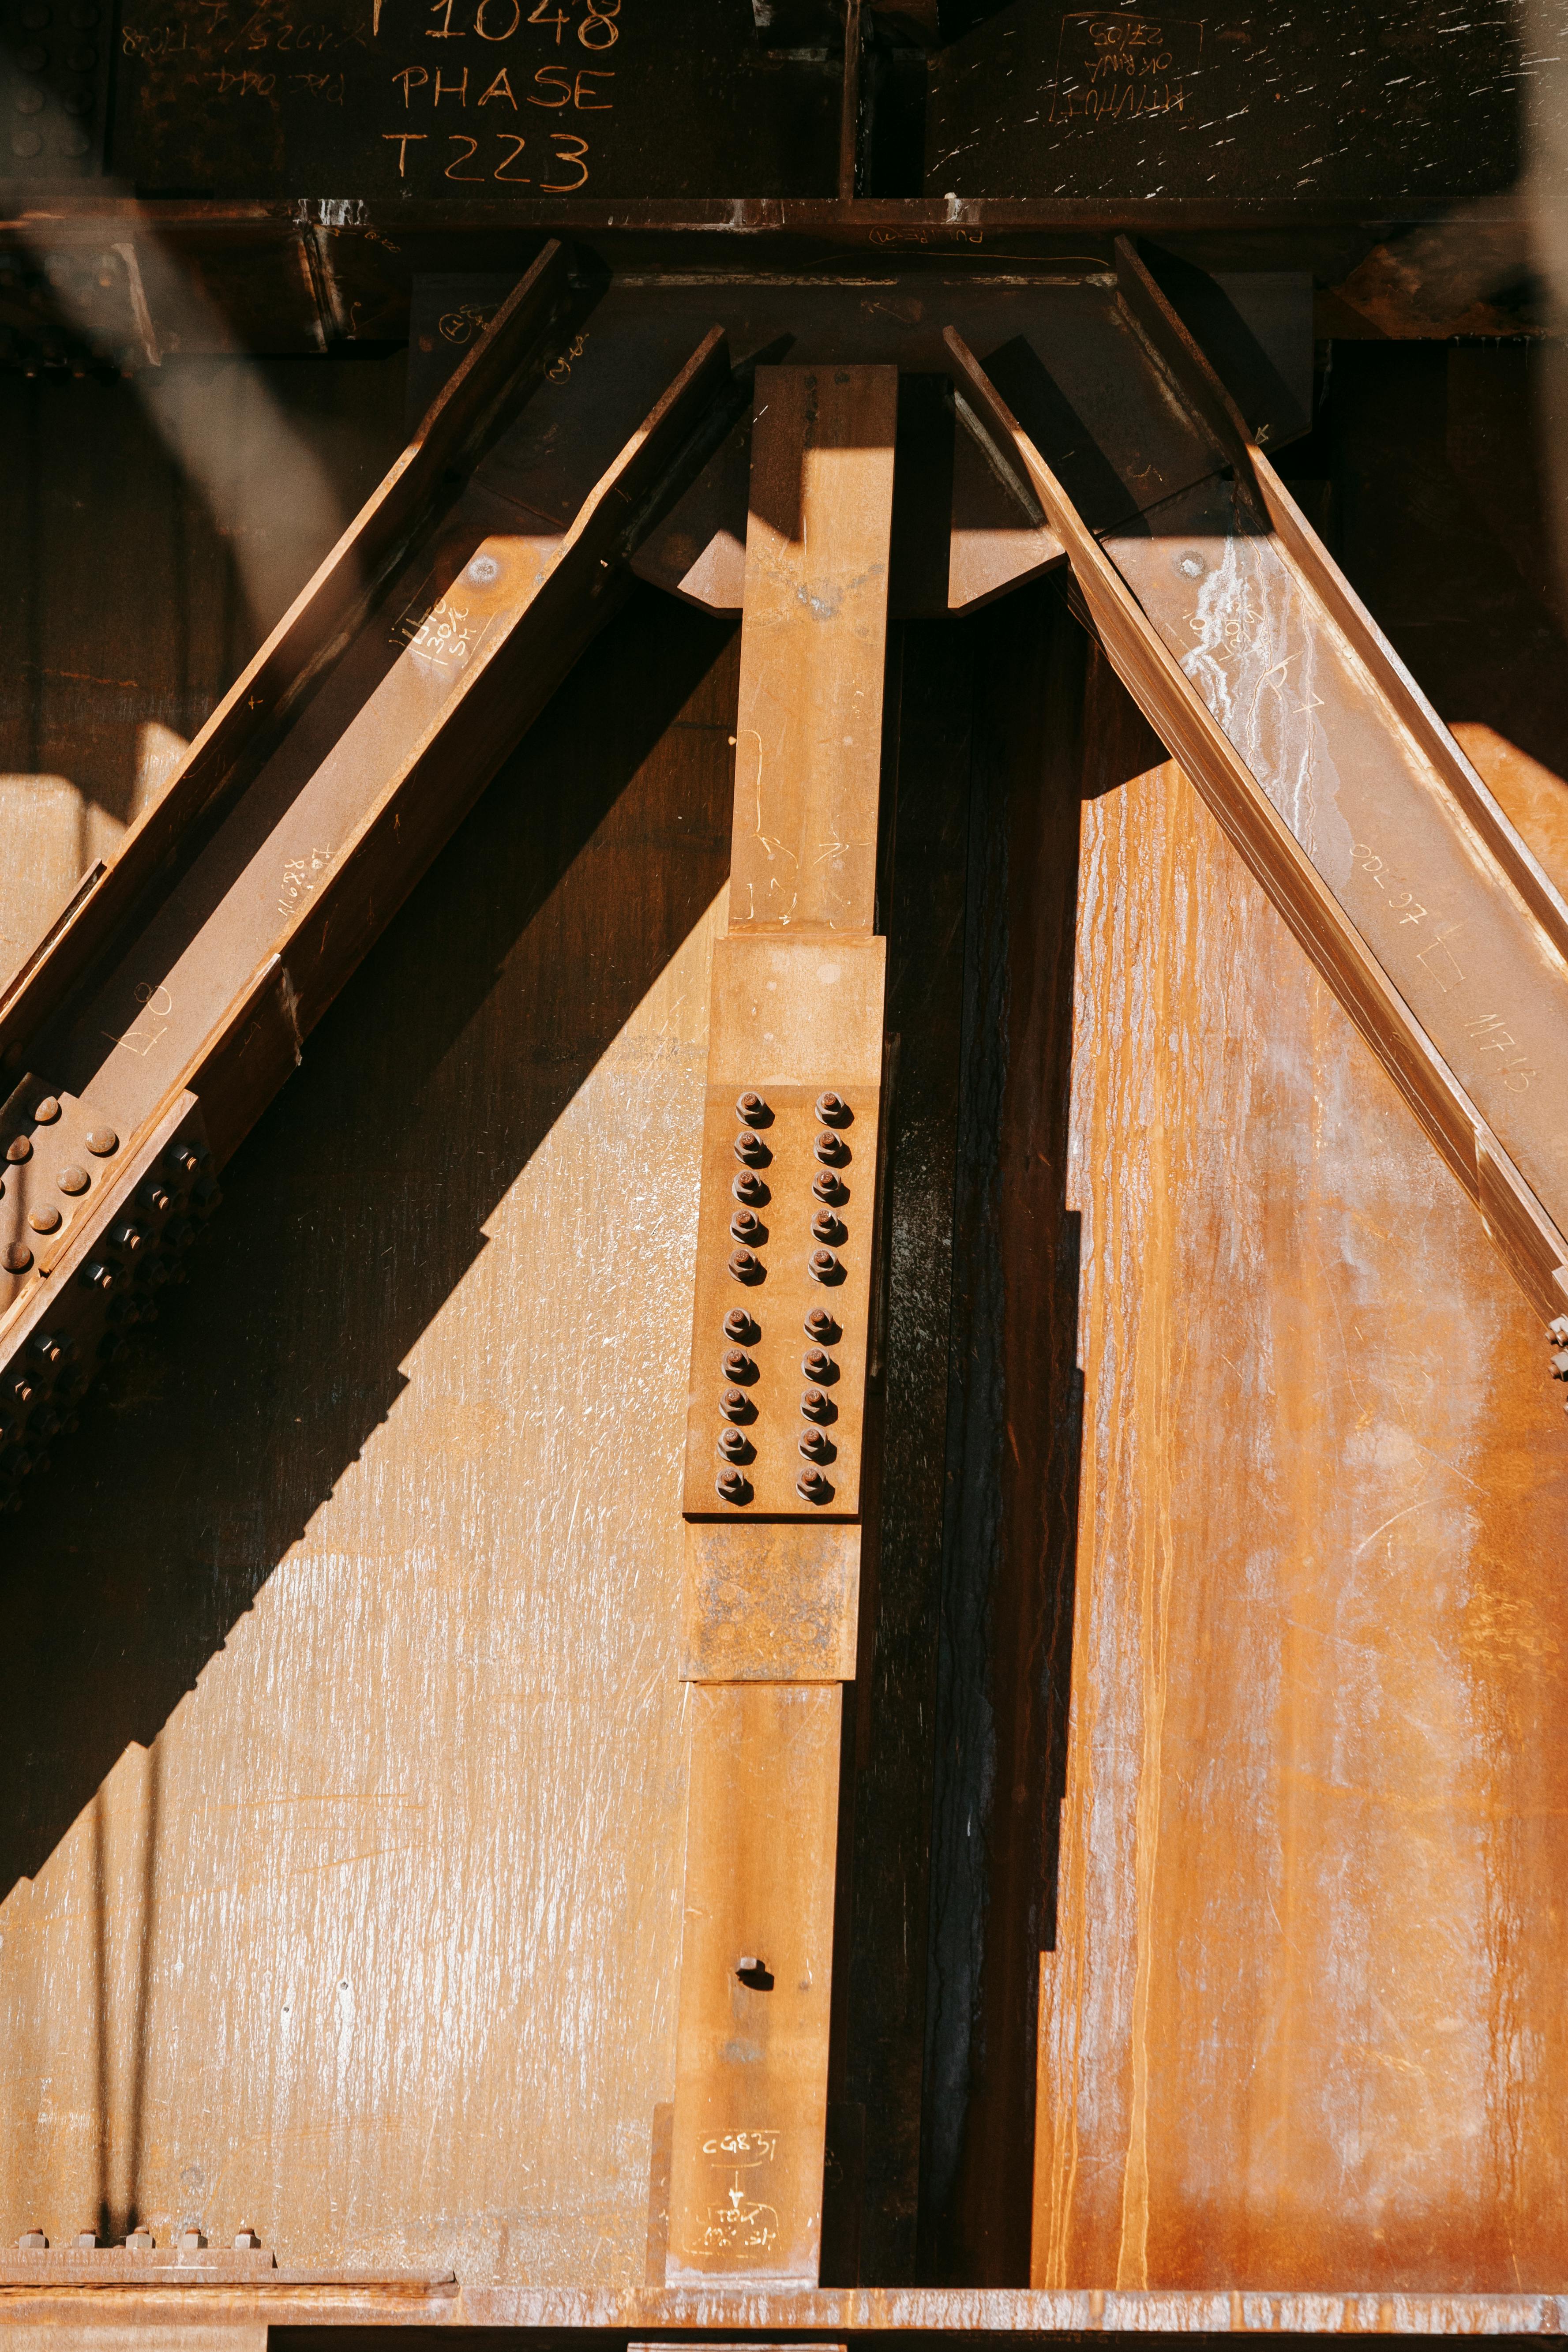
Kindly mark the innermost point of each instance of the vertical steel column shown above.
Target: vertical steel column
(778, 1369)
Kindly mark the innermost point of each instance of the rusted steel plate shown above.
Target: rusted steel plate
(770, 1602)
(461, 645)
(751, 2098)
(786, 1229)
(808, 735)
(1349, 816)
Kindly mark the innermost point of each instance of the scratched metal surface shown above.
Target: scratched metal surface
(1314, 1821)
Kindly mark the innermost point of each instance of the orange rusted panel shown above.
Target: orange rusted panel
(750, 2097)
(770, 1602)
(1303, 2019)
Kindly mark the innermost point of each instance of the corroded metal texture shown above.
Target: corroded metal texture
(773, 1602)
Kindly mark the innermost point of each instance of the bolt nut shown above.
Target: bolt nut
(814, 1487)
(16, 1257)
(831, 1109)
(734, 1445)
(52, 1347)
(736, 1365)
(822, 1266)
(101, 1141)
(831, 1149)
(139, 2241)
(816, 1405)
(32, 2241)
(129, 1238)
(749, 1187)
(826, 1226)
(155, 1195)
(745, 1266)
(745, 1225)
(181, 1160)
(750, 1148)
(247, 2241)
(734, 1405)
(18, 1150)
(48, 1111)
(738, 1325)
(816, 1364)
(87, 2237)
(44, 1220)
(826, 1186)
(821, 1327)
(99, 1276)
(73, 1180)
(815, 1445)
(752, 1109)
(732, 1486)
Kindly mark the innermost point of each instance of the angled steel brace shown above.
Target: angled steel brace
(169, 1003)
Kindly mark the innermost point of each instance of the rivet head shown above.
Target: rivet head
(752, 1108)
(814, 1487)
(732, 1486)
(44, 1220)
(821, 1327)
(831, 1109)
(48, 1111)
(18, 1148)
(822, 1266)
(102, 1141)
(73, 1180)
(18, 1257)
(745, 1266)
(738, 1325)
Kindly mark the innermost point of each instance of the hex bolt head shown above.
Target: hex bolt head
(129, 1238)
(732, 1486)
(32, 2241)
(101, 1141)
(87, 2237)
(831, 1149)
(181, 1160)
(101, 1277)
(735, 1444)
(139, 2241)
(822, 1266)
(73, 1180)
(247, 2241)
(745, 1266)
(750, 1148)
(749, 1187)
(16, 1257)
(814, 1405)
(156, 1196)
(745, 1225)
(826, 1226)
(826, 1186)
(738, 1325)
(736, 1365)
(821, 1327)
(752, 1108)
(18, 1150)
(733, 1404)
(48, 1111)
(816, 1364)
(831, 1109)
(44, 1220)
(814, 1487)
(814, 1445)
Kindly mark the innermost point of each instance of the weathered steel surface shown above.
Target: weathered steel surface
(786, 1230)
(1416, 897)
(773, 1603)
(751, 2096)
(1313, 1817)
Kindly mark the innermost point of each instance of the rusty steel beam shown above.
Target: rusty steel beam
(785, 1242)
(1344, 794)
(162, 1012)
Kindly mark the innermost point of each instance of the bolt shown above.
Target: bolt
(20, 1389)
(18, 1150)
(826, 1186)
(156, 1196)
(752, 1108)
(747, 1187)
(738, 1325)
(102, 1140)
(733, 1445)
(816, 1364)
(16, 1257)
(732, 1486)
(44, 1220)
(46, 1422)
(830, 1148)
(191, 2241)
(99, 1277)
(826, 1226)
(832, 1109)
(820, 1326)
(182, 1161)
(822, 1266)
(32, 2241)
(737, 1365)
(745, 1226)
(814, 1405)
(52, 1350)
(814, 1487)
(48, 1111)
(751, 1147)
(154, 1273)
(87, 2237)
(139, 2241)
(73, 1180)
(734, 1405)
(129, 1238)
(745, 1267)
(247, 2241)
(205, 1195)
(179, 1232)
